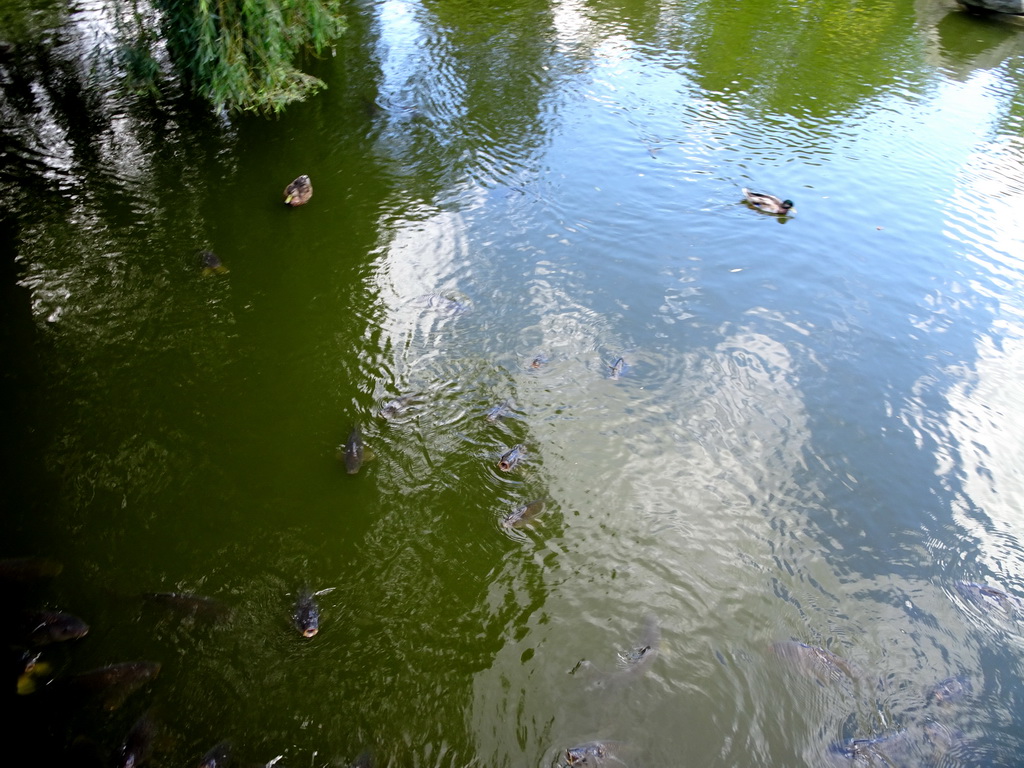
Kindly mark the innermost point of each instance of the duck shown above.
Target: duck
(769, 203)
(299, 191)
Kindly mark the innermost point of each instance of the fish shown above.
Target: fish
(988, 597)
(25, 570)
(190, 606)
(523, 514)
(30, 668)
(591, 753)
(43, 627)
(924, 744)
(869, 752)
(616, 368)
(950, 690)
(113, 684)
(498, 411)
(511, 458)
(634, 662)
(538, 362)
(218, 756)
(397, 406)
(210, 263)
(639, 659)
(138, 744)
(306, 614)
(814, 662)
(352, 453)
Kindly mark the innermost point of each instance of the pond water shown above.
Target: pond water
(813, 434)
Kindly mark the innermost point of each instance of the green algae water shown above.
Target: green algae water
(813, 435)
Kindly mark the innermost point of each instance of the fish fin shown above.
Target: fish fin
(26, 684)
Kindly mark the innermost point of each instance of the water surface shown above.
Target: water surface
(814, 436)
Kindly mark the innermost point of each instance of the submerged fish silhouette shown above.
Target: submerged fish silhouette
(353, 452)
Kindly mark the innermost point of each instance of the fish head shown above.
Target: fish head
(950, 690)
(579, 755)
(70, 629)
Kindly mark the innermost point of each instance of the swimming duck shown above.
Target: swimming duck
(298, 192)
(769, 203)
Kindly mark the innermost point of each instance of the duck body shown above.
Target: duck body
(769, 203)
(298, 192)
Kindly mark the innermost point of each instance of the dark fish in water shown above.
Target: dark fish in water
(987, 597)
(586, 754)
(307, 613)
(592, 753)
(397, 406)
(509, 460)
(638, 659)
(44, 627)
(524, 514)
(538, 362)
(869, 752)
(219, 756)
(950, 690)
(210, 263)
(189, 605)
(498, 411)
(918, 745)
(115, 683)
(24, 570)
(634, 662)
(814, 662)
(138, 744)
(616, 368)
(365, 760)
(353, 451)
